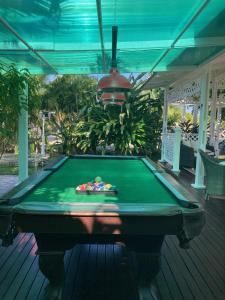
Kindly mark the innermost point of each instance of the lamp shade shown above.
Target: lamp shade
(114, 82)
(115, 98)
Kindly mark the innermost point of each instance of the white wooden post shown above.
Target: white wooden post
(176, 150)
(43, 135)
(199, 172)
(23, 139)
(183, 113)
(213, 113)
(217, 135)
(195, 114)
(164, 129)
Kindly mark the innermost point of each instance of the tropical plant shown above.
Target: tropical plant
(134, 130)
(63, 126)
(67, 97)
(12, 100)
(84, 126)
(69, 93)
(188, 127)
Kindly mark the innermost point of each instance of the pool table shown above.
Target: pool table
(149, 205)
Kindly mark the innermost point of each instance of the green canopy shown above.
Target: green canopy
(74, 36)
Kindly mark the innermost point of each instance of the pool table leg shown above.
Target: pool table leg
(146, 257)
(148, 266)
(52, 266)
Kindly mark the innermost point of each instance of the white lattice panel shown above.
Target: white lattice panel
(220, 86)
(220, 82)
(190, 140)
(184, 91)
(168, 147)
(189, 137)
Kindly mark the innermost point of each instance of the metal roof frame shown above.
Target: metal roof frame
(13, 31)
(148, 54)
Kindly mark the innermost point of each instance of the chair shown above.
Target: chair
(215, 175)
(187, 157)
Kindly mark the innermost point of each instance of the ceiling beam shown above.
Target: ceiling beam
(122, 46)
(186, 27)
(99, 12)
(15, 33)
(151, 75)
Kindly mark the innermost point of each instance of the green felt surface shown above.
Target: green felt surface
(135, 182)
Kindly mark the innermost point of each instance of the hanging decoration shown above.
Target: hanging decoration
(114, 88)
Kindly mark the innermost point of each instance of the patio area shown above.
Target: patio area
(7, 183)
(173, 47)
(107, 271)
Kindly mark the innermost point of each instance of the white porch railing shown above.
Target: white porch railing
(168, 147)
(190, 139)
(171, 146)
(171, 150)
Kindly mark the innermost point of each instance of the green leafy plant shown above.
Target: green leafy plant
(83, 126)
(134, 130)
(12, 99)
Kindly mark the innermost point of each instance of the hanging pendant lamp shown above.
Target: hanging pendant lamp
(113, 88)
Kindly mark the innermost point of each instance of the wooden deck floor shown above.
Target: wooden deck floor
(97, 272)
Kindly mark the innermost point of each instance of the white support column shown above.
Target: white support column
(23, 139)
(213, 113)
(217, 134)
(43, 135)
(183, 113)
(165, 119)
(176, 150)
(195, 114)
(199, 172)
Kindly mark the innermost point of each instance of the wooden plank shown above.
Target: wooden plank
(15, 244)
(171, 280)
(209, 236)
(179, 274)
(8, 252)
(110, 273)
(92, 264)
(205, 269)
(216, 208)
(28, 281)
(79, 286)
(126, 281)
(67, 258)
(194, 271)
(145, 293)
(216, 225)
(217, 258)
(184, 268)
(117, 256)
(45, 282)
(9, 258)
(131, 284)
(36, 286)
(21, 275)
(15, 268)
(163, 287)
(209, 264)
(99, 290)
(71, 273)
(210, 233)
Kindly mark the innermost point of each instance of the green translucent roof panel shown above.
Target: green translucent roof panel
(66, 34)
(180, 59)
